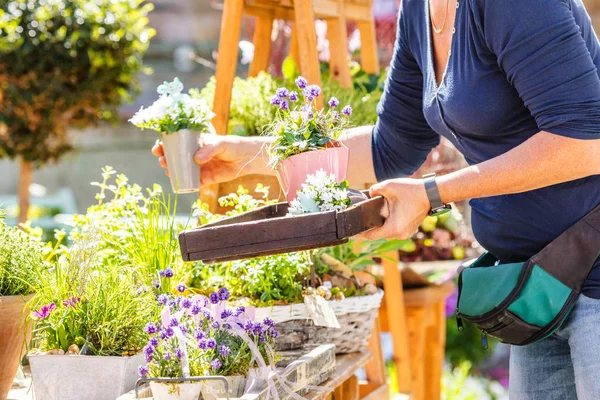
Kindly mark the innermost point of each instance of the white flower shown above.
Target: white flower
(301, 145)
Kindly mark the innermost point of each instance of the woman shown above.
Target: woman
(514, 85)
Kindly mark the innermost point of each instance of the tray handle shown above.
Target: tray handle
(362, 217)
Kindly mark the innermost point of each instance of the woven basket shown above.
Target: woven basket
(356, 316)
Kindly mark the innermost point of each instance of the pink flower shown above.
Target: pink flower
(45, 311)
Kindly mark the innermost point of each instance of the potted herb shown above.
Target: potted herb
(179, 119)
(89, 317)
(21, 263)
(200, 336)
(306, 139)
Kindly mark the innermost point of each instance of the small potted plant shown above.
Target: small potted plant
(200, 336)
(307, 139)
(179, 119)
(320, 193)
(21, 262)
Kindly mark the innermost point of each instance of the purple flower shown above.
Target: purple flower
(200, 335)
(183, 328)
(167, 356)
(451, 302)
(170, 332)
(186, 303)
(142, 371)
(150, 328)
(202, 344)
(248, 325)
(226, 314)
(308, 110)
(215, 325)
(196, 309)
(347, 110)
(214, 298)
(240, 310)
(45, 311)
(172, 302)
(153, 341)
(257, 329)
(269, 322)
(173, 322)
(261, 339)
(216, 364)
(315, 91)
(181, 288)
(274, 334)
(163, 334)
(162, 299)
(224, 294)
(301, 82)
(308, 94)
(335, 115)
(275, 100)
(211, 343)
(282, 93)
(179, 353)
(334, 102)
(156, 284)
(224, 351)
(226, 326)
(149, 350)
(284, 105)
(70, 303)
(207, 314)
(293, 96)
(167, 273)
(161, 273)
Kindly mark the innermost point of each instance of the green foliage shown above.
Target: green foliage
(251, 111)
(460, 384)
(465, 346)
(21, 261)
(65, 63)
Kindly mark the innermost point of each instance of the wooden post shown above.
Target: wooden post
(415, 318)
(434, 356)
(338, 48)
(369, 56)
(307, 38)
(375, 369)
(24, 182)
(231, 22)
(294, 50)
(262, 44)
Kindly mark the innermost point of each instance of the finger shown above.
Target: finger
(379, 189)
(207, 152)
(385, 210)
(162, 161)
(158, 150)
(206, 176)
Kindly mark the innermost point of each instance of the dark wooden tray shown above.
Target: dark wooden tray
(268, 230)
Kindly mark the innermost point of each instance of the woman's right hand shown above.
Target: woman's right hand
(224, 157)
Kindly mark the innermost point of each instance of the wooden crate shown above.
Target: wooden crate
(301, 369)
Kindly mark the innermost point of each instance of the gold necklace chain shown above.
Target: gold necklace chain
(438, 31)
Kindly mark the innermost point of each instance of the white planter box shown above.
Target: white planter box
(63, 377)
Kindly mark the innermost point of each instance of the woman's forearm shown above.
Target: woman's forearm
(361, 173)
(543, 160)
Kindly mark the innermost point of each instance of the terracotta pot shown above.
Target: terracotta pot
(292, 171)
(13, 336)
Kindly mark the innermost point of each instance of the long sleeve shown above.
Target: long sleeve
(401, 138)
(539, 46)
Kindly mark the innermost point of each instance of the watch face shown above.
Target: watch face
(446, 208)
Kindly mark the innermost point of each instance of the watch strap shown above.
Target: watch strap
(432, 191)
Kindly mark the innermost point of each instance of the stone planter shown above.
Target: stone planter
(176, 391)
(292, 171)
(213, 390)
(69, 377)
(13, 336)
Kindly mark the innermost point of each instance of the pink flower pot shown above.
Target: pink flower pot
(292, 171)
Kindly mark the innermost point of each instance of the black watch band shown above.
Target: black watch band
(435, 201)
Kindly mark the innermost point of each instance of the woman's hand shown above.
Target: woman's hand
(224, 157)
(407, 206)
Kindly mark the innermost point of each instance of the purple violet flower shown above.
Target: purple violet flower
(334, 102)
(257, 329)
(179, 353)
(274, 334)
(224, 294)
(163, 334)
(186, 303)
(347, 110)
(167, 356)
(173, 322)
(215, 325)
(240, 310)
(172, 302)
(181, 288)
(202, 344)
(269, 322)
(216, 364)
(45, 311)
(214, 298)
(211, 343)
(315, 90)
(167, 273)
(70, 303)
(150, 328)
(282, 93)
(183, 328)
(149, 350)
(301, 82)
(226, 314)
(200, 335)
(196, 309)
(308, 94)
(142, 371)
(207, 314)
(224, 351)
(275, 100)
(153, 341)
(284, 105)
(293, 96)
(248, 325)
(170, 332)
(162, 299)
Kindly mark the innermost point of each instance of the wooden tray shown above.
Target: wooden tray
(267, 231)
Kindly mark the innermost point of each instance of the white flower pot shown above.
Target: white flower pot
(176, 390)
(213, 390)
(70, 377)
(179, 150)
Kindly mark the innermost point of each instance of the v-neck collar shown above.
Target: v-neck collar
(430, 49)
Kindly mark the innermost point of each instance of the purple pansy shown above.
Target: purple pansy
(186, 303)
(200, 334)
(301, 82)
(211, 343)
(315, 90)
(293, 96)
(202, 344)
(214, 298)
(347, 110)
(196, 309)
(181, 288)
(149, 350)
(170, 332)
(308, 94)
(156, 284)
(282, 93)
(142, 371)
(153, 341)
(167, 273)
(275, 100)
(334, 102)
(173, 322)
(45, 311)
(151, 328)
(224, 294)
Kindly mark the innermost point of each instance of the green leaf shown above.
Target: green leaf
(289, 69)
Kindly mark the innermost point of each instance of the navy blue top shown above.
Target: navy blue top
(516, 67)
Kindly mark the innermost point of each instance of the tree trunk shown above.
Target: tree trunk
(24, 182)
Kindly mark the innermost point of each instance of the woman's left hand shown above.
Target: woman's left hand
(407, 206)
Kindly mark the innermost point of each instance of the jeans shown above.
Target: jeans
(564, 366)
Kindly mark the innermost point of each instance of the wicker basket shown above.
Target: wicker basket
(356, 316)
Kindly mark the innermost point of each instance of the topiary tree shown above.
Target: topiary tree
(64, 63)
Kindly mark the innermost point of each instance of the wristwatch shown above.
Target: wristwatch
(437, 207)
